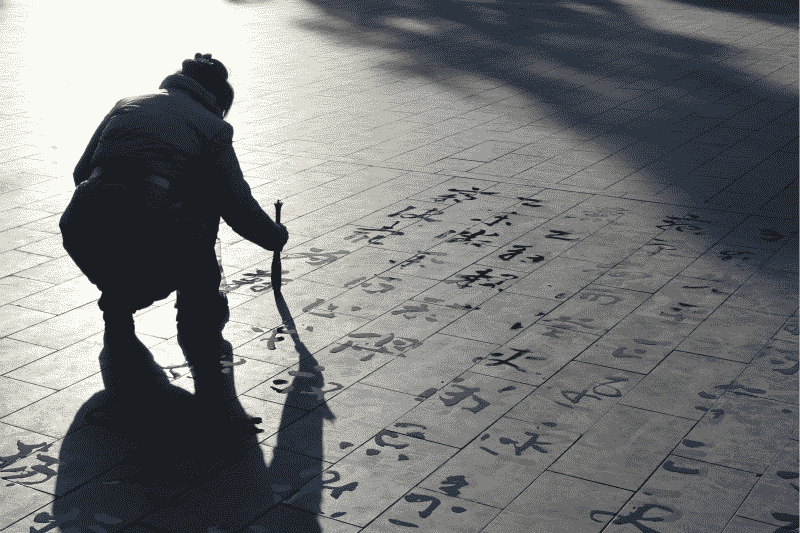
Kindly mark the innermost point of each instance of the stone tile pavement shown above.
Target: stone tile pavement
(542, 273)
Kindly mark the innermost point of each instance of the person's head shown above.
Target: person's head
(213, 76)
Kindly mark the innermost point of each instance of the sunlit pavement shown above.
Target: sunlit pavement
(543, 267)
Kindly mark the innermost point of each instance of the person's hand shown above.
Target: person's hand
(284, 235)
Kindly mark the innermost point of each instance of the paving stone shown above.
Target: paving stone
(528, 252)
(775, 491)
(646, 270)
(284, 519)
(623, 447)
(463, 517)
(62, 330)
(61, 466)
(500, 318)
(784, 260)
(741, 432)
(575, 397)
(608, 246)
(686, 300)
(766, 291)
(371, 297)
(686, 495)
(788, 332)
(384, 476)
(745, 525)
(595, 308)
(16, 354)
(424, 370)
(351, 418)
(470, 287)
(559, 279)
(317, 379)
(678, 387)
(366, 262)
(60, 369)
(772, 374)
(496, 467)
(550, 349)
(445, 419)
(738, 334)
(726, 263)
(53, 415)
(501, 228)
(559, 503)
(637, 343)
(440, 261)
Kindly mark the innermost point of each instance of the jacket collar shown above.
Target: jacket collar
(195, 90)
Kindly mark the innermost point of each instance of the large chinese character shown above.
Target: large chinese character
(466, 392)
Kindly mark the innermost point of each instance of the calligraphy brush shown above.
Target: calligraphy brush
(276, 255)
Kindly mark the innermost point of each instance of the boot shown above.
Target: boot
(206, 351)
(135, 383)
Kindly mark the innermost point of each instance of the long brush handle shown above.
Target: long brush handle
(276, 255)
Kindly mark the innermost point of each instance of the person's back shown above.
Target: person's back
(152, 184)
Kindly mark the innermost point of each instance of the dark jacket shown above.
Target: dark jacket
(177, 137)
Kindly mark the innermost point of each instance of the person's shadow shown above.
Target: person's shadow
(172, 474)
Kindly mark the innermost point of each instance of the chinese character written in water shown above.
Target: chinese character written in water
(325, 314)
(410, 311)
(460, 195)
(469, 238)
(316, 256)
(530, 202)
(533, 442)
(728, 255)
(8, 473)
(467, 280)
(400, 344)
(426, 216)
(682, 311)
(378, 439)
(620, 352)
(466, 392)
(422, 498)
(566, 323)
(259, 281)
(517, 249)
(336, 492)
(382, 232)
(688, 224)
(497, 219)
(658, 246)
(605, 389)
(508, 362)
(421, 256)
(600, 296)
(637, 516)
(381, 287)
(560, 235)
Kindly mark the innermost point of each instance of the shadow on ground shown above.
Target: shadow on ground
(612, 76)
(172, 476)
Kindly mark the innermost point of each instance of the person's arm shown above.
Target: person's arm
(239, 209)
(83, 169)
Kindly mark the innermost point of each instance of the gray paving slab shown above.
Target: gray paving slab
(542, 273)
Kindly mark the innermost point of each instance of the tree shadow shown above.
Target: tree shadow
(763, 7)
(169, 474)
(614, 78)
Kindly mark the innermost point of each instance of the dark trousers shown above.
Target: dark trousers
(135, 259)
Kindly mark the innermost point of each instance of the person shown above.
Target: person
(158, 174)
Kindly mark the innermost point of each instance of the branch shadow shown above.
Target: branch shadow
(611, 76)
